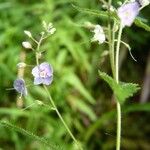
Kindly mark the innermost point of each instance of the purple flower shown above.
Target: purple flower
(43, 74)
(128, 12)
(19, 86)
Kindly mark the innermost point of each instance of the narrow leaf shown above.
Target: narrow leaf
(102, 14)
(29, 134)
(141, 24)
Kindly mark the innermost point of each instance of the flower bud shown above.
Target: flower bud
(99, 34)
(28, 33)
(26, 45)
(21, 65)
(52, 31)
(39, 102)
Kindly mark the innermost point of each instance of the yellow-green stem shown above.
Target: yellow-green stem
(62, 120)
(51, 100)
(118, 140)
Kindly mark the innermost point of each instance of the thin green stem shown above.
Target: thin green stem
(117, 54)
(37, 59)
(37, 49)
(59, 115)
(118, 140)
(111, 37)
(50, 98)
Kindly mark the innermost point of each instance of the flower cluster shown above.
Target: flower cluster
(42, 73)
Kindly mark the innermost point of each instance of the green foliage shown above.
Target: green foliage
(141, 24)
(76, 91)
(121, 90)
(29, 134)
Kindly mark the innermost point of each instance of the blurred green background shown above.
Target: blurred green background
(83, 99)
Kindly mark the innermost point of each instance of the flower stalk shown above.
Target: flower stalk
(118, 140)
(50, 98)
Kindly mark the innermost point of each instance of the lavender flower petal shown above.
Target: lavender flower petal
(35, 71)
(47, 67)
(43, 74)
(19, 86)
(128, 12)
(38, 80)
(48, 80)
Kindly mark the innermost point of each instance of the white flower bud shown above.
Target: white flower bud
(44, 24)
(39, 102)
(98, 34)
(28, 33)
(119, 3)
(52, 31)
(144, 3)
(26, 45)
(21, 65)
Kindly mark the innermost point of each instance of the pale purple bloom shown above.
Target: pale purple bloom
(128, 12)
(43, 74)
(19, 86)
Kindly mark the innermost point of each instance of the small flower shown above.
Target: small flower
(128, 12)
(26, 45)
(98, 34)
(28, 33)
(43, 74)
(19, 86)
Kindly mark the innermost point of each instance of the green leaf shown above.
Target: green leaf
(141, 24)
(121, 90)
(74, 81)
(29, 134)
(85, 108)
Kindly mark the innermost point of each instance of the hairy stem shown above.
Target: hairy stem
(118, 140)
(117, 54)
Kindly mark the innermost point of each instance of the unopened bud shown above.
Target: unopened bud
(26, 45)
(21, 65)
(52, 31)
(28, 33)
(39, 102)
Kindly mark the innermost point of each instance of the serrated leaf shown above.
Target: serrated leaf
(141, 24)
(121, 90)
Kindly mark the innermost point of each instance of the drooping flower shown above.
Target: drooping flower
(128, 12)
(43, 74)
(19, 86)
(98, 34)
